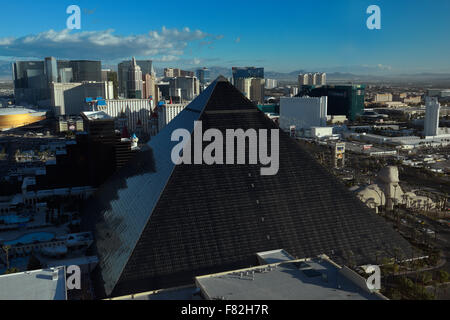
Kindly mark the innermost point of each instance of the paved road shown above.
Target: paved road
(442, 239)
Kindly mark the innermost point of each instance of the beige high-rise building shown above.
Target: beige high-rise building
(252, 88)
(174, 73)
(312, 79)
(187, 88)
(257, 90)
(321, 79)
(149, 87)
(135, 83)
(303, 79)
(244, 85)
(171, 72)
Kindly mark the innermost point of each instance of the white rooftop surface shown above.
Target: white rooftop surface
(292, 280)
(19, 110)
(175, 294)
(274, 256)
(33, 285)
(97, 115)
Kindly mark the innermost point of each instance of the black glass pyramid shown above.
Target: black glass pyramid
(158, 225)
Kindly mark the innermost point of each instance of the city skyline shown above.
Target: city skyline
(325, 36)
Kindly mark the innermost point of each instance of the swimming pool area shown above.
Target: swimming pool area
(14, 219)
(31, 238)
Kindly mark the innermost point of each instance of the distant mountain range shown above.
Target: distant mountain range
(345, 74)
(5, 70)
(365, 74)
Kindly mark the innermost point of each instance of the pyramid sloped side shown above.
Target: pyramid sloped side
(120, 209)
(216, 218)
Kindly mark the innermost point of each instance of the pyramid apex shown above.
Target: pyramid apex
(221, 78)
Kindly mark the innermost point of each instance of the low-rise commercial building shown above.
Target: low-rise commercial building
(70, 98)
(168, 112)
(383, 97)
(345, 100)
(46, 284)
(303, 112)
(441, 93)
(280, 276)
(288, 279)
(133, 110)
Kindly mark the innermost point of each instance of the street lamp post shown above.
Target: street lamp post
(395, 201)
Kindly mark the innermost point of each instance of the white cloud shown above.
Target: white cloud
(378, 66)
(6, 41)
(384, 67)
(105, 45)
(167, 58)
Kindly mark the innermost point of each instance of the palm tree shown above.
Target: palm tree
(444, 207)
(12, 270)
(378, 253)
(350, 258)
(397, 252)
(6, 248)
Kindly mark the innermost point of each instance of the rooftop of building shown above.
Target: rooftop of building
(301, 98)
(274, 256)
(96, 115)
(14, 110)
(46, 284)
(304, 279)
(404, 140)
(179, 293)
(340, 85)
(69, 117)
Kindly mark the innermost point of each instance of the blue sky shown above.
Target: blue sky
(278, 35)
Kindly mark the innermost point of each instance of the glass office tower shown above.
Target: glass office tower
(32, 78)
(204, 75)
(247, 72)
(345, 100)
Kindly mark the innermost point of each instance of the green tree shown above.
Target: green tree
(443, 276)
(427, 277)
